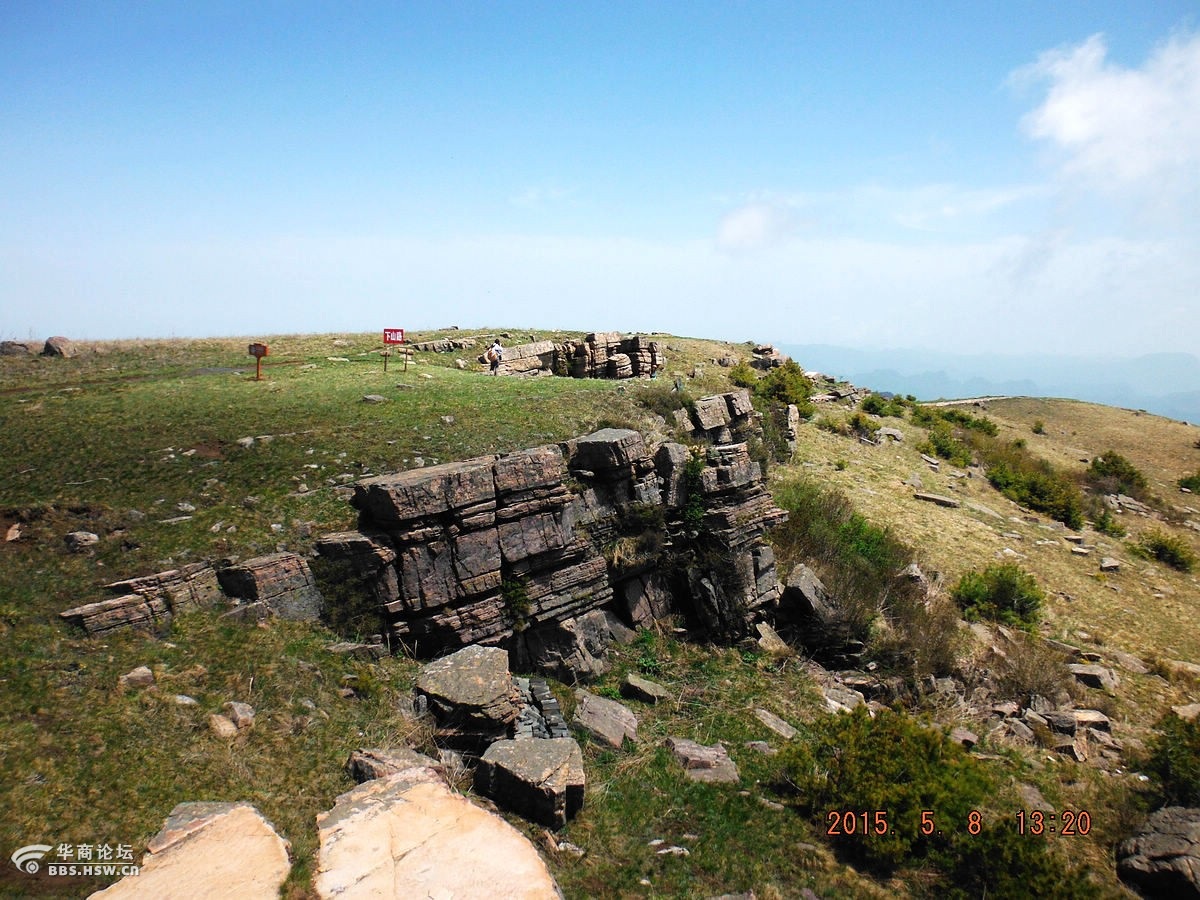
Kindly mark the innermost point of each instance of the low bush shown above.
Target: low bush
(786, 384)
(1166, 548)
(1174, 760)
(891, 793)
(1191, 482)
(1001, 593)
(1034, 483)
(1039, 427)
(743, 375)
(1112, 473)
(879, 405)
(1104, 520)
(862, 426)
(662, 399)
(943, 443)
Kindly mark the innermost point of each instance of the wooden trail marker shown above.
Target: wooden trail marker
(258, 351)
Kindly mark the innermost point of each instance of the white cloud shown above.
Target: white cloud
(754, 226)
(1119, 128)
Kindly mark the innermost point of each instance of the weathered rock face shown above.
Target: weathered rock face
(17, 348)
(211, 849)
(409, 835)
(608, 354)
(1163, 859)
(59, 346)
(149, 603)
(280, 584)
(511, 550)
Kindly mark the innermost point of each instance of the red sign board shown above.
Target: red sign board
(393, 335)
(259, 350)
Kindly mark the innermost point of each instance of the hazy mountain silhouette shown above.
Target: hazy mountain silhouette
(1167, 384)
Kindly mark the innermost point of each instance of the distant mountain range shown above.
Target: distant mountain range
(1167, 384)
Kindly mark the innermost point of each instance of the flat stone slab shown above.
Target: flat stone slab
(1093, 676)
(776, 724)
(635, 687)
(701, 763)
(209, 850)
(605, 720)
(542, 780)
(939, 499)
(409, 835)
(368, 764)
(471, 688)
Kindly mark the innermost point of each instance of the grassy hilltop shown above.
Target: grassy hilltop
(129, 436)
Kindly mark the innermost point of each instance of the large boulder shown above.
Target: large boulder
(542, 780)
(471, 695)
(409, 835)
(209, 850)
(1163, 858)
(59, 346)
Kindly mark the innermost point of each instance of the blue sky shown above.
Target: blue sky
(971, 176)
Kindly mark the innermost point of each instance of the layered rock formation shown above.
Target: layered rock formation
(516, 550)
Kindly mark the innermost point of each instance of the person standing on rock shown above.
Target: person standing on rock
(494, 355)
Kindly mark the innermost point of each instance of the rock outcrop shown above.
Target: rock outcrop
(212, 849)
(523, 550)
(1163, 858)
(542, 780)
(409, 835)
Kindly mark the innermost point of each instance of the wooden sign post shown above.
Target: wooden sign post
(258, 351)
(393, 336)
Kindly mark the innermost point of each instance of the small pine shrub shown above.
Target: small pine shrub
(863, 426)
(1105, 521)
(743, 375)
(1001, 593)
(1039, 427)
(1033, 483)
(1174, 760)
(1191, 482)
(878, 405)
(944, 444)
(1166, 548)
(786, 384)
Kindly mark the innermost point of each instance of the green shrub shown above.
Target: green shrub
(516, 602)
(1174, 760)
(862, 425)
(1166, 548)
(1105, 521)
(944, 444)
(935, 800)
(1039, 427)
(1001, 593)
(1191, 482)
(785, 384)
(743, 375)
(661, 398)
(878, 405)
(1112, 473)
(1033, 483)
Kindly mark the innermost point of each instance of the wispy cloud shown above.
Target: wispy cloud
(1117, 128)
(754, 226)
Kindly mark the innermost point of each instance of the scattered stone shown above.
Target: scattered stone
(607, 720)
(184, 700)
(701, 763)
(761, 747)
(939, 499)
(409, 835)
(1081, 551)
(374, 398)
(222, 727)
(771, 643)
(138, 678)
(204, 850)
(635, 687)
(240, 714)
(1163, 858)
(776, 724)
(358, 650)
(1188, 713)
(1094, 676)
(81, 541)
(1108, 564)
(1092, 718)
(965, 737)
(366, 765)
(540, 780)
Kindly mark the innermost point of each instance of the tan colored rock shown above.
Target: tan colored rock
(222, 727)
(209, 850)
(409, 835)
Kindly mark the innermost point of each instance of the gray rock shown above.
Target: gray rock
(1163, 858)
(364, 765)
(771, 643)
(281, 582)
(60, 346)
(776, 724)
(542, 780)
(1108, 564)
(1094, 676)
(701, 763)
(240, 714)
(637, 688)
(471, 695)
(606, 720)
(81, 541)
(138, 678)
(939, 499)
(965, 737)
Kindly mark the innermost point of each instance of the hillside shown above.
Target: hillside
(144, 444)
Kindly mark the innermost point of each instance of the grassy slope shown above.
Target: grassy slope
(87, 440)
